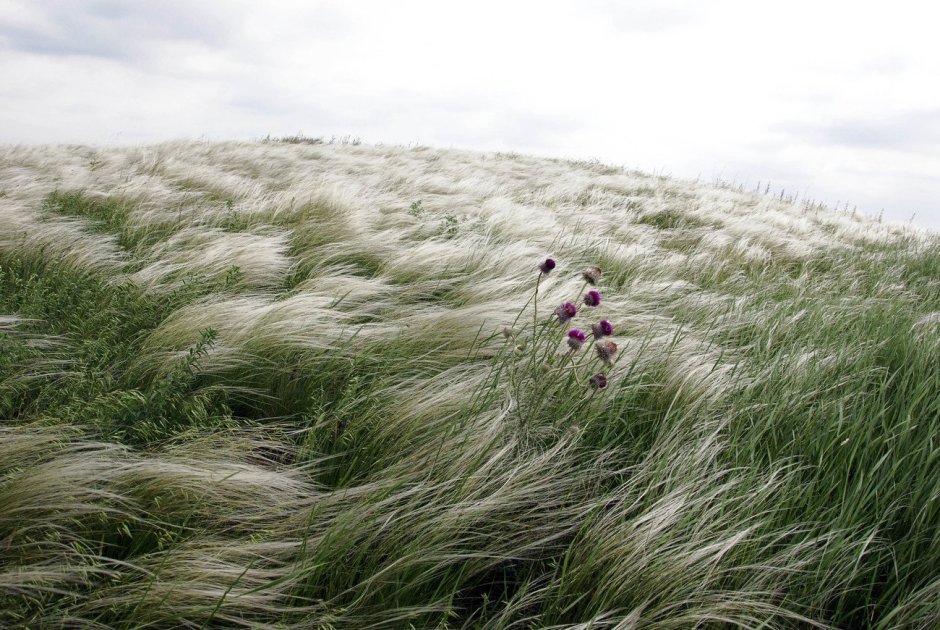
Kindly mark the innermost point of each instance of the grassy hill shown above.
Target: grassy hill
(290, 384)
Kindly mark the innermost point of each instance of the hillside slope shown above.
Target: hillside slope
(265, 385)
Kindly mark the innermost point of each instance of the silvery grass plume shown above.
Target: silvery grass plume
(264, 384)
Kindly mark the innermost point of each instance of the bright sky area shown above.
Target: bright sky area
(831, 101)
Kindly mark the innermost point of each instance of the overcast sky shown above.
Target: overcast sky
(836, 101)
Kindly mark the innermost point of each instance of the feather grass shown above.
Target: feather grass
(262, 385)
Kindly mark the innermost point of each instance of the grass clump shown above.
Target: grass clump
(107, 215)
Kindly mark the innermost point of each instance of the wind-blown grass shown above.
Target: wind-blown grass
(264, 385)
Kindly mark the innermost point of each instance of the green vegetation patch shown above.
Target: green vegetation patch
(109, 215)
(94, 329)
(672, 219)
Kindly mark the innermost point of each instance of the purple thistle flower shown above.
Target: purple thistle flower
(592, 298)
(566, 311)
(598, 381)
(547, 266)
(602, 328)
(606, 350)
(576, 339)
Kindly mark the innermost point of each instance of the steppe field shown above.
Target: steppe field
(295, 384)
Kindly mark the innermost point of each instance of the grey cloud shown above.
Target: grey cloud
(505, 123)
(886, 65)
(311, 117)
(912, 132)
(534, 129)
(116, 30)
(126, 31)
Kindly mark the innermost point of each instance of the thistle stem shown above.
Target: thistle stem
(535, 305)
(581, 293)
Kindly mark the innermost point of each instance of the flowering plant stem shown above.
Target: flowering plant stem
(535, 304)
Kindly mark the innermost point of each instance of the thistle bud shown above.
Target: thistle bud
(592, 275)
(546, 266)
(602, 328)
(566, 311)
(606, 350)
(598, 381)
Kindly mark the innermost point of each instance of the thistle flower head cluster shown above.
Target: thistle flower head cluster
(592, 298)
(576, 339)
(547, 265)
(566, 312)
(598, 381)
(602, 329)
